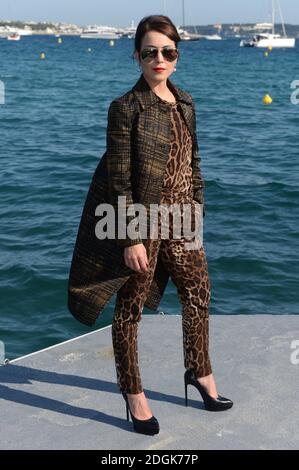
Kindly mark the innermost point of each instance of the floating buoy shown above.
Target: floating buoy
(59, 40)
(89, 49)
(266, 54)
(267, 99)
(270, 48)
(111, 42)
(42, 55)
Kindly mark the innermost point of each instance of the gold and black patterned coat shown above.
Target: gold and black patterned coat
(133, 165)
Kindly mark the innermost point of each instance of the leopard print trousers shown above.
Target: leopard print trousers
(189, 272)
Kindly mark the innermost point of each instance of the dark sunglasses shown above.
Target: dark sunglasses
(169, 53)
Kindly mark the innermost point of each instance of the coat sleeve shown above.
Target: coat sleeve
(198, 181)
(119, 162)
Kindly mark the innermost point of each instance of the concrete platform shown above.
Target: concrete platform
(65, 397)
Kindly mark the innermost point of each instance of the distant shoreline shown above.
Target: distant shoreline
(226, 30)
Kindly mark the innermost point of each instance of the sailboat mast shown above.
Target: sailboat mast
(183, 11)
(164, 7)
(281, 18)
(273, 16)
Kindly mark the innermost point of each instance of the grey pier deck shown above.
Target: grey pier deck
(66, 397)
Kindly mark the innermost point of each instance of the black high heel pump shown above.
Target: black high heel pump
(211, 404)
(144, 426)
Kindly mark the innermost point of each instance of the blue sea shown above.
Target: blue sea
(53, 133)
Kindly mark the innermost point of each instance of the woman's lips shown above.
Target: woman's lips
(159, 69)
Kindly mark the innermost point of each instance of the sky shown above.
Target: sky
(120, 13)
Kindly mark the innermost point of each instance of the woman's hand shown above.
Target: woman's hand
(136, 257)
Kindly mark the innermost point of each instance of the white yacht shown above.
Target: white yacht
(213, 37)
(100, 32)
(272, 39)
(129, 31)
(268, 40)
(186, 36)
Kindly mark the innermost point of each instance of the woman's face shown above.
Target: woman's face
(159, 40)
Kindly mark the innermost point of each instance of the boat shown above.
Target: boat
(100, 32)
(186, 36)
(129, 31)
(266, 39)
(213, 37)
(14, 37)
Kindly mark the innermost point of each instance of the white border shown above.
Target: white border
(58, 344)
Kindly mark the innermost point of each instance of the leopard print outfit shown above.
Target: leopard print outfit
(188, 270)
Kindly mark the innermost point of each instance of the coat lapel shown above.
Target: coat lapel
(148, 98)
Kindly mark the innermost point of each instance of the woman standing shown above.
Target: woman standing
(151, 157)
(156, 51)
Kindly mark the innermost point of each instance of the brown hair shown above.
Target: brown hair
(160, 23)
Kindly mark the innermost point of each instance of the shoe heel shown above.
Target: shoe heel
(186, 393)
(127, 406)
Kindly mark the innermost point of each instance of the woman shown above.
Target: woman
(151, 158)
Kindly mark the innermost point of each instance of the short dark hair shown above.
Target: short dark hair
(160, 23)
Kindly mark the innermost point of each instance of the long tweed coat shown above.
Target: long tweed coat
(133, 165)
